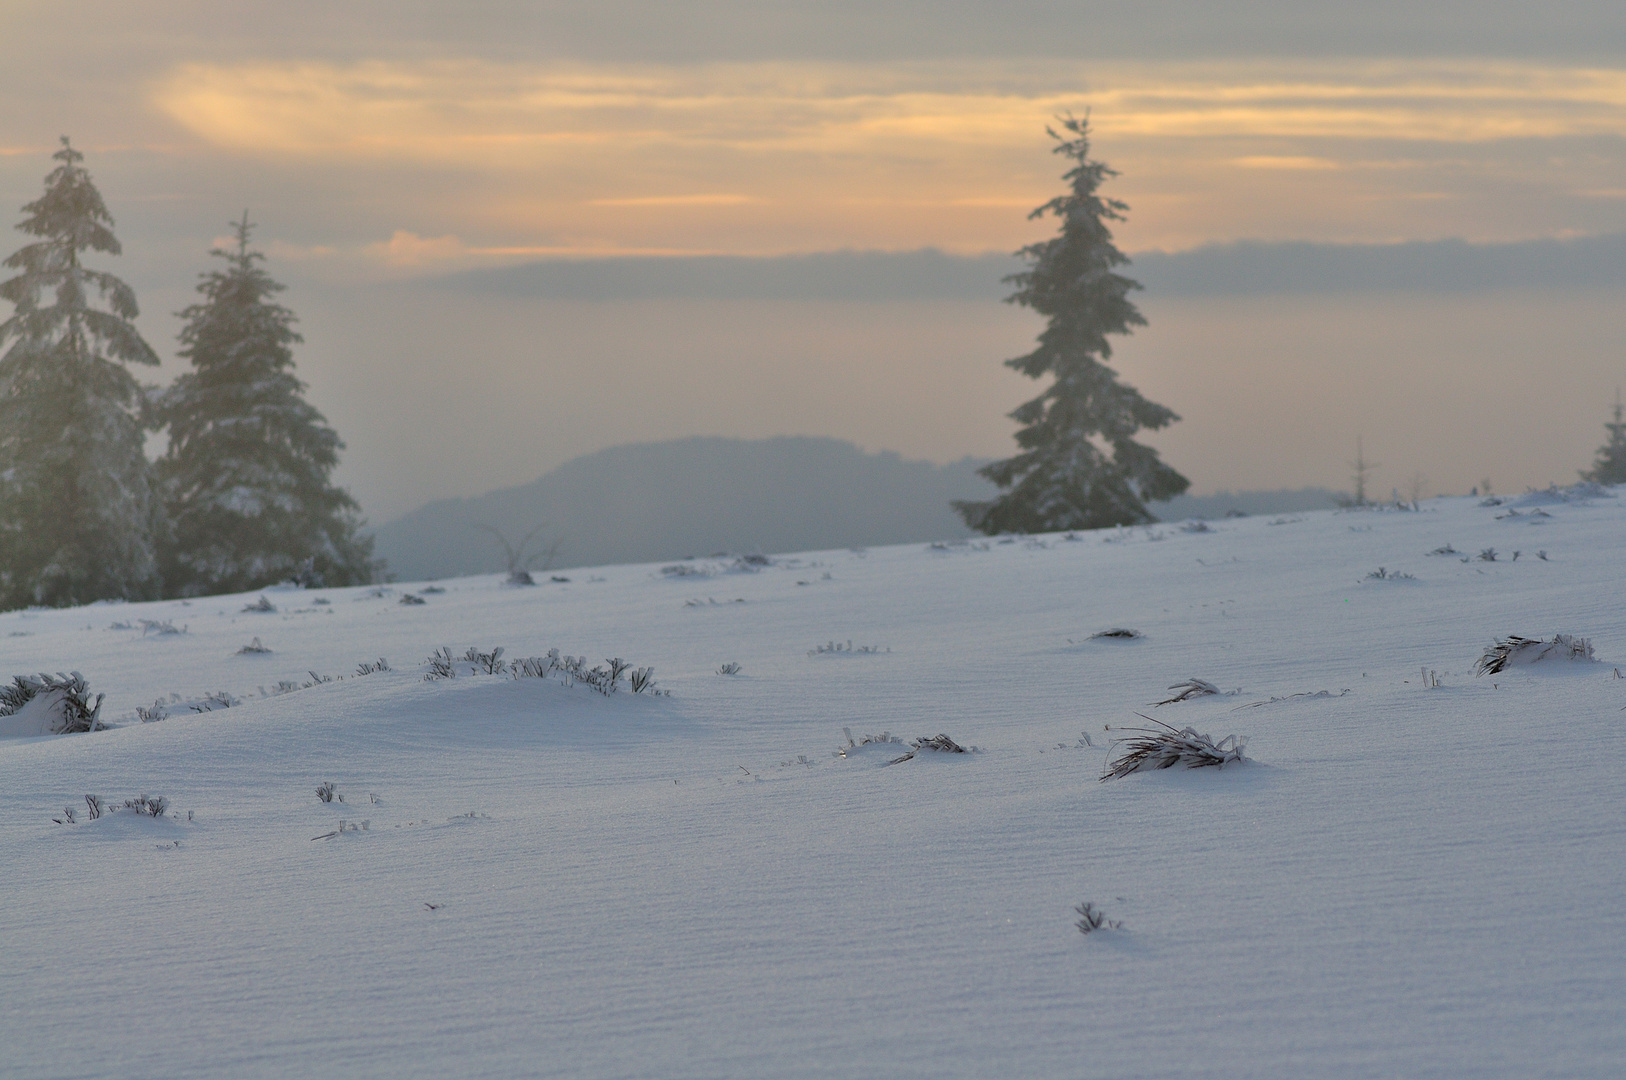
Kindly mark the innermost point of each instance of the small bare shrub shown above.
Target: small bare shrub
(148, 716)
(219, 699)
(521, 561)
(261, 606)
(1382, 574)
(161, 627)
(1092, 918)
(366, 668)
(730, 668)
(1445, 549)
(491, 663)
(94, 806)
(1164, 747)
(848, 649)
(441, 665)
(153, 806)
(1117, 632)
(326, 792)
(253, 648)
(641, 679)
(408, 600)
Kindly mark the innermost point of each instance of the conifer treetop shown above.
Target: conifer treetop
(70, 218)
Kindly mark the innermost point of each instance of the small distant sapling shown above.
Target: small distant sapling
(520, 562)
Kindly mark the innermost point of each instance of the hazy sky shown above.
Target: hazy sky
(380, 143)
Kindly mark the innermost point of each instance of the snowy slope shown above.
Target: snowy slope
(1405, 881)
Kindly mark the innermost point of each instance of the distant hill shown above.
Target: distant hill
(1248, 502)
(652, 501)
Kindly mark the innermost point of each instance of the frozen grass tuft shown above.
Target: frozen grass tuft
(836, 648)
(1118, 632)
(327, 793)
(366, 668)
(1191, 688)
(885, 738)
(937, 744)
(730, 668)
(1164, 747)
(1383, 573)
(68, 696)
(161, 627)
(408, 600)
(253, 648)
(263, 606)
(1514, 650)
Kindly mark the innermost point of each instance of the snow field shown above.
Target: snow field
(1404, 881)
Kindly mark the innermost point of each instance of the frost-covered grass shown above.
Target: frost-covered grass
(1417, 874)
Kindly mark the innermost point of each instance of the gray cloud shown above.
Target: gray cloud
(1241, 269)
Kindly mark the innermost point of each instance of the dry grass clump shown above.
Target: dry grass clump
(1164, 747)
(1117, 632)
(1191, 688)
(937, 744)
(1514, 649)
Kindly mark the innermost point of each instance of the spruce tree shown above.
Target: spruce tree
(1610, 467)
(245, 481)
(76, 508)
(1079, 467)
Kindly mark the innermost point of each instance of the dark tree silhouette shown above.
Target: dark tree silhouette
(1079, 467)
(1610, 468)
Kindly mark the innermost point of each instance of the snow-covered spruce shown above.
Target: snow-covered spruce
(1164, 747)
(246, 479)
(77, 512)
(58, 706)
(1515, 650)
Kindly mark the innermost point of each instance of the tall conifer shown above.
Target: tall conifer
(1610, 468)
(1079, 467)
(246, 479)
(76, 509)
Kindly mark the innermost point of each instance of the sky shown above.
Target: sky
(401, 159)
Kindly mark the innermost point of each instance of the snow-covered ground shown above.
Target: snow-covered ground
(1406, 880)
